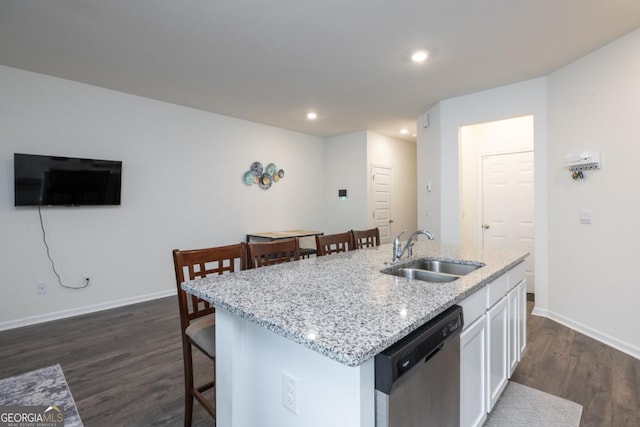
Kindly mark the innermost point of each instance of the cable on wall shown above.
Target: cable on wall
(53, 265)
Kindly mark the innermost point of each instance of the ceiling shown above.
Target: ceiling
(272, 61)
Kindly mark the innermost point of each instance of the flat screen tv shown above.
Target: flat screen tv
(65, 181)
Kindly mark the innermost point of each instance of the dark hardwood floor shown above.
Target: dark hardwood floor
(124, 366)
(568, 364)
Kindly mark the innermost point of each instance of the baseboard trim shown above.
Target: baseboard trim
(57, 315)
(604, 338)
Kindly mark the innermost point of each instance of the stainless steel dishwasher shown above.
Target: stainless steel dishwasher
(417, 379)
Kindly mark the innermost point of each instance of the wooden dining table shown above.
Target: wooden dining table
(270, 236)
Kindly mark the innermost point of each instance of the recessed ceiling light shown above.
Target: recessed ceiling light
(419, 56)
(404, 131)
(312, 115)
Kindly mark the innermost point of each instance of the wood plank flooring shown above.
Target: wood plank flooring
(568, 364)
(124, 366)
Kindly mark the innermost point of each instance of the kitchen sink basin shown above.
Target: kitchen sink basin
(432, 270)
(447, 267)
(427, 276)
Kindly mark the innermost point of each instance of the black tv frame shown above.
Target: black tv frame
(42, 180)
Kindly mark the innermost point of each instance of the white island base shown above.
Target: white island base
(250, 364)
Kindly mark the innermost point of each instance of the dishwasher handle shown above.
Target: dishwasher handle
(434, 352)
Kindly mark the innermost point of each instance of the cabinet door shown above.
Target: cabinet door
(473, 374)
(513, 329)
(497, 355)
(522, 316)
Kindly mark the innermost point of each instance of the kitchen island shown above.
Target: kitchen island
(316, 324)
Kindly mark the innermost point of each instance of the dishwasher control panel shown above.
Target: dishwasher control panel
(417, 347)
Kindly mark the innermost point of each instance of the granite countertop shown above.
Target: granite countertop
(341, 305)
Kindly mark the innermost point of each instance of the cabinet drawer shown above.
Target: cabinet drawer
(474, 306)
(497, 289)
(516, 275)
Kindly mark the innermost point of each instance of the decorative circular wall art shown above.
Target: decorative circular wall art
(264, 177)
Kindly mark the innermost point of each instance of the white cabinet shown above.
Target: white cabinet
(473, 411)
(522, 317)
(474, 306)
(497, 289)
(513, 302)
(497, 354)
(517, 297)
(491, 343)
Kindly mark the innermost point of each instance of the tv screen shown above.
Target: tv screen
(65, 181)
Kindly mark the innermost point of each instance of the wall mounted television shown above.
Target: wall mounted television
(65, 181)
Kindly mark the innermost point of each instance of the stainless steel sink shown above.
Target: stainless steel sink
(448, 267)
(427, 276)
(433, 270)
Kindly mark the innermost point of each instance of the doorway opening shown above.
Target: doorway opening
(496, 187)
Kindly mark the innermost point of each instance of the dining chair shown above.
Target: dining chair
(307, 252)
(276, 252)
(197, 319)
(333, 243)
(366, 238)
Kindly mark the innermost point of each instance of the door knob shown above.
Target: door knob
(486, 226)
(390, 221)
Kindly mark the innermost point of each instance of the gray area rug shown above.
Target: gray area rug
(46, 386)
(524, 406)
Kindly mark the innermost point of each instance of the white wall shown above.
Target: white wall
(440, 142)
(349, 158)
(346, 160)
(429, 164)
(400, 156)
(594, 105)
(181, 188)
(591, 104)
(502, 136)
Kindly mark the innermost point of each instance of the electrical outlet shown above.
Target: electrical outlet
(290, 392)
(86, 280)
(41, 288)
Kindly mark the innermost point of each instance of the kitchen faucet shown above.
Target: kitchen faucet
(398, 251)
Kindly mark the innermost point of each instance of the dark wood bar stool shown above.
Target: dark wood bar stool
(197, 319)
(366, 238)
(334, 243)
(268, 253)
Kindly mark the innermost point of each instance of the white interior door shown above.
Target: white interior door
(381, 185)
(507, 205)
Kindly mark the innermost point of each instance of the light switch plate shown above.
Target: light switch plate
(586, 217)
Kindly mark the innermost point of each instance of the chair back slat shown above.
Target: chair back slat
(269, 253)
(334, 243)
(366, 238)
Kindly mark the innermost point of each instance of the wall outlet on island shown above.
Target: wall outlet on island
(290, 392)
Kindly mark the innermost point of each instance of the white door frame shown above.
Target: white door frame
(372, 219)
